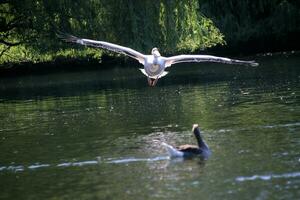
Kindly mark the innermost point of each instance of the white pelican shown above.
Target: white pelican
(154, 64)
(202, 150)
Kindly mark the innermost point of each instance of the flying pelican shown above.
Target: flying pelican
(202, 150)
(154, 64)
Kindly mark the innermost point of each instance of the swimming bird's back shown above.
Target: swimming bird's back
(192, 149)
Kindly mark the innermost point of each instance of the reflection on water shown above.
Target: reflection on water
(97, 135)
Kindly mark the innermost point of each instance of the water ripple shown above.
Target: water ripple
(288, 125)
(36, 166)
(282, 125)
(267, 177)
(83, 163)
(19, 168)
(128, 160)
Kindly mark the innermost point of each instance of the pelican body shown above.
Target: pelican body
(154, 67)
(201, 149)
(154, 64)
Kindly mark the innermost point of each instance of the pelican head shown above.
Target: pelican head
(155, 52)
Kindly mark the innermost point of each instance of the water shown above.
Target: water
(97, 134)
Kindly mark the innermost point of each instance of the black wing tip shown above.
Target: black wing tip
(253, 63)
(66, 37)
(250, 63)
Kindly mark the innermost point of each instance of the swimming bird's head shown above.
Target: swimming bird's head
(155, 52)
(194, 127)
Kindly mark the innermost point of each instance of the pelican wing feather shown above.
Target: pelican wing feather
(206, 58)
(104, 45)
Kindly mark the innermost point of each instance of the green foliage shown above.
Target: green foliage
(172, 26)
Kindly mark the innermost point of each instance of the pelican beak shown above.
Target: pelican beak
(152, 81)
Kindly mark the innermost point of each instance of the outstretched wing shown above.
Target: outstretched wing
(104, 45)
(206, 58)
(172, 151)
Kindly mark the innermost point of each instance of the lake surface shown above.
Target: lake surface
(97, 134)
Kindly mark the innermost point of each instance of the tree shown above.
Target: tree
(170, 25)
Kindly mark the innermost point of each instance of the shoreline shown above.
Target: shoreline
(81, 64)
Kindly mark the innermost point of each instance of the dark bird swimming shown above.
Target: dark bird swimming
(202, 150)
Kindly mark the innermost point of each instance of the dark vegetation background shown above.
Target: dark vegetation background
(232, 27)
(255, 26)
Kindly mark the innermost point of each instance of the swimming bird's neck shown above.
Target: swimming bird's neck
(200, 141)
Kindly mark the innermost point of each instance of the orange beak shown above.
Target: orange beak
(152, 81)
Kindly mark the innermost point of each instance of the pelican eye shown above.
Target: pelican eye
(154, 68)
